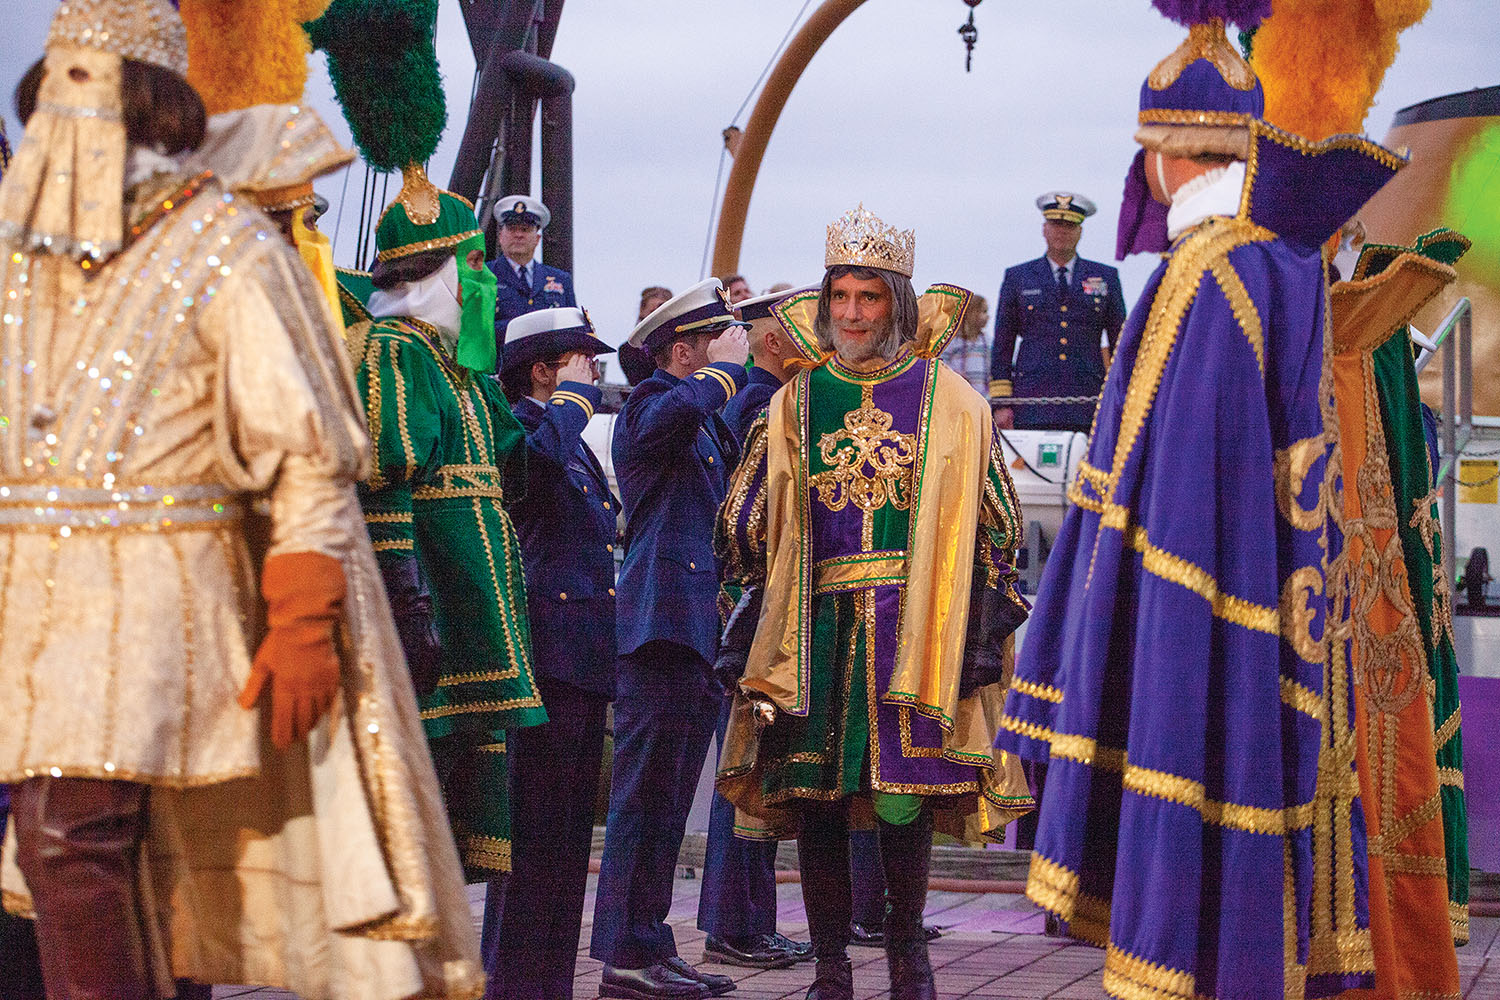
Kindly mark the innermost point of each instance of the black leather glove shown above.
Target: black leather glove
(994, 613)
(411, 607)
(728, 669)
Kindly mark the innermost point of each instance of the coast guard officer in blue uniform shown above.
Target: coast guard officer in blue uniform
(567, 527)
(673, 455)
(1057, 306)
(737, 902)
(525, 284)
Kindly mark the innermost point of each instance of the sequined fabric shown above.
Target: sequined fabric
(149, 407)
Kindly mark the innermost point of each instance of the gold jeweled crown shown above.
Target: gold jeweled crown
(148, 31)
(858, 237)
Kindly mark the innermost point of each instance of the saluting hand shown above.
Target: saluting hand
(578, 368)
(730, 346)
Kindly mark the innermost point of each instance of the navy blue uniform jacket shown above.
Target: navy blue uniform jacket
(1059, 338)
(747, 404)
(673, 456)
(566, 523)
(550, 287)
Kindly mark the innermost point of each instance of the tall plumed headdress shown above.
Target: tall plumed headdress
(64, 192)
(1322, 61)
(860, 238)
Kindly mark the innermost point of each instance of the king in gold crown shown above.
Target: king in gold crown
(859, 238)
(148, 31)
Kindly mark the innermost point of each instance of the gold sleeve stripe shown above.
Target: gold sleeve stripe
(1000, 388)
(399, 517)
(725, 382)
(1030, 729)
(395, 545)
(565, 396)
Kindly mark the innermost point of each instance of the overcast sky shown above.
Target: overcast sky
(885, 114)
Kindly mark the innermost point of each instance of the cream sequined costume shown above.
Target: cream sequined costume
(144, 405)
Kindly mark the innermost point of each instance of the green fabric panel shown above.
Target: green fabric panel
(824, 754)
(473, 772)
(1411, 475)
(897, 808)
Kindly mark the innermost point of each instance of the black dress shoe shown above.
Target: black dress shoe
(716, 985)
(654, 982)
(832, 980)
(868, 937)
(757, 952)
(801, 951)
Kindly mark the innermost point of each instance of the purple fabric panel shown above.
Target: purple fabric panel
(924, 732)
(1143, 219)
(1480, 697)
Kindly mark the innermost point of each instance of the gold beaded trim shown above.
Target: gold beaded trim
(1172, 116)
(396, 253)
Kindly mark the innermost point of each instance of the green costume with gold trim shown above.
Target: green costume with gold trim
(447, 450)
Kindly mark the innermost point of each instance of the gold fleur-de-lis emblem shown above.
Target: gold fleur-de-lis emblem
(869, 464)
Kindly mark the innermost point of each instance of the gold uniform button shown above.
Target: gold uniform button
(1062, 340)
(1065, 324)
(611, 592)
(1062, 357)
(1064, 308)
(562, 597)
(710, 460)
(585, 489)
(606, 505)
(692, 565)
(609, 548)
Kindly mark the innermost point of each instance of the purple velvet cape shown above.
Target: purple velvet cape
(1201, 814)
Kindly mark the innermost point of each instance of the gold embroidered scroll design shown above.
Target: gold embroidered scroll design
(866, 441)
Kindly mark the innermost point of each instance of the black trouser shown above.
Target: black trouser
(530, 942)
(827, 886)
(665, 708)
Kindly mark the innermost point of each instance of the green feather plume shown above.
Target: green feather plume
(382, 56)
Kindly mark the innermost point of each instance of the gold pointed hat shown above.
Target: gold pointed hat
(64, 192)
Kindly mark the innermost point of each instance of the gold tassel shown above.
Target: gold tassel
(65, 190)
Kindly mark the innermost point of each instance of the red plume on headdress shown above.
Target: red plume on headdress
(1245, 13)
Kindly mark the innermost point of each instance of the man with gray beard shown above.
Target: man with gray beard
(872, 523)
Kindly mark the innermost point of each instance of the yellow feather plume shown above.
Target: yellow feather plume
(243, 53)
(1321, 62)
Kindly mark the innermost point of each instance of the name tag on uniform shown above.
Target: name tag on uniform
(552, 285)
(1031, 291)
(1095, 286)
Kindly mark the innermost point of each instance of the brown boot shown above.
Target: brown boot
(79, 842)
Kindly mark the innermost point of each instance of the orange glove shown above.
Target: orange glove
(304, 594)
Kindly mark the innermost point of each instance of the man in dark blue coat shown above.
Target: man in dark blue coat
(1057, 306)
(737, 903)
(567, 527)
(525, 284)
(673, 455)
